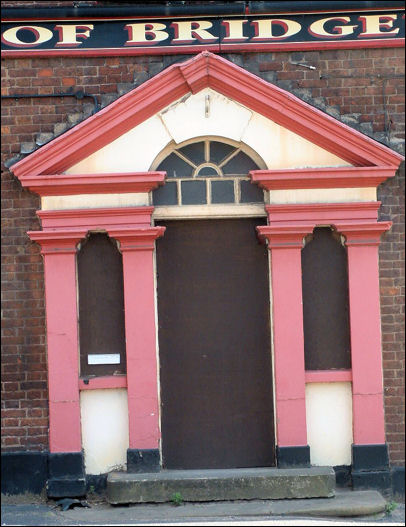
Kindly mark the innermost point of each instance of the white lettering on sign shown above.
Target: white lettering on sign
(106, 358)
(235, 33)
(41, 35)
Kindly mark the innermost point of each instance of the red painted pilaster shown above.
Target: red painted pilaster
(288, 339)
(59, 251)
(365, 324)
(137, 248)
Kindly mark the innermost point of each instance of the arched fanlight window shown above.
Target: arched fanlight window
(101, 307)
(208, 171)
(325, 302)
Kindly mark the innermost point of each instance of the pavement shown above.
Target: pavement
(346, 508)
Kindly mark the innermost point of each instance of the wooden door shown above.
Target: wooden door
(214, 345)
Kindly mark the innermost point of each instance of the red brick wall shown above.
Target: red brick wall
(363, 88)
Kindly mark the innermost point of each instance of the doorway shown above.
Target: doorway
(214, 345)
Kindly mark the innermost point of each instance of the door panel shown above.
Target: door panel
(214, 342)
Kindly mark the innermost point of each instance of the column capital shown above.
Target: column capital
(136, 238)
(284, 237)
(363, 233)
(58, 242)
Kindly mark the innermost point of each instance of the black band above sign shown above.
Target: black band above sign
(175, 35)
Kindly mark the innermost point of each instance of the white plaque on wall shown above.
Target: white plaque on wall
(106, 358)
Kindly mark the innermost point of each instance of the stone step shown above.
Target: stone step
(218, 485)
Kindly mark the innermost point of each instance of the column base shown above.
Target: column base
(370, 467)
(148, 460)
(293, 456)
(66, 475)
(23, 472)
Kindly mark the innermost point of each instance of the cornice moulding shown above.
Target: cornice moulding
(322, 213)
(305, 178)
(94, 219)
(72, 184)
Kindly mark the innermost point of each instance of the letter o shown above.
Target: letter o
(42, 34)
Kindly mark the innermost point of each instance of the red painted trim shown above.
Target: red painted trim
(102, 383)
(363, 233)
(322, 213)
(136, 239)
(366, 352)
(312, 46)
(62, 230)
(328, 376)
(289, 367)
(223, 47)
(140, 331)
(288, 236)
(70, 184)
(93, 219)
(205, 70)
(62, 345)
(288, 224)
(302, 178)
(188, 17)
(61, 241)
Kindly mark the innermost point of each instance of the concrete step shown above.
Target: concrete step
(220, 485)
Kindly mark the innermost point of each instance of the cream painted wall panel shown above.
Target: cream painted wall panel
(322, 195)
(132, 152)
(104, 419)
(196, 116)
(206, 113)
(94, 201)
(329, 423)
(281, 148)
(208, 211)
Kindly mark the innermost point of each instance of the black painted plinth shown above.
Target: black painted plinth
(370, 457)
(293, 456)
(23, 472)
(143, 460)
(370, 467)
(398, 482)
(343, 476)
(66, 475)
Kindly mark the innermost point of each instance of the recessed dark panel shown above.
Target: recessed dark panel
(222, 191)
(251, 193)
(325, 303)
(166, 194)
(193, 192)
(101, 305)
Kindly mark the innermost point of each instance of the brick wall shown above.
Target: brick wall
(362, 88)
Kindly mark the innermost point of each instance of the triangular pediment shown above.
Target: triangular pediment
(168, 93)
(207, 113)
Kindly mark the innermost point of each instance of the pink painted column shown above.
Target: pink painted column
(288, 339)
(365, 324)
(137, 249)
(59, 250)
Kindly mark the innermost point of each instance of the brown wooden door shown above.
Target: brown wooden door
(214, 345)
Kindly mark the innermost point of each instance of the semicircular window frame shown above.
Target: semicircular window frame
(206, 171)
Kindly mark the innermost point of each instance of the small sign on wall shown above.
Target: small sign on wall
(106, 358)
